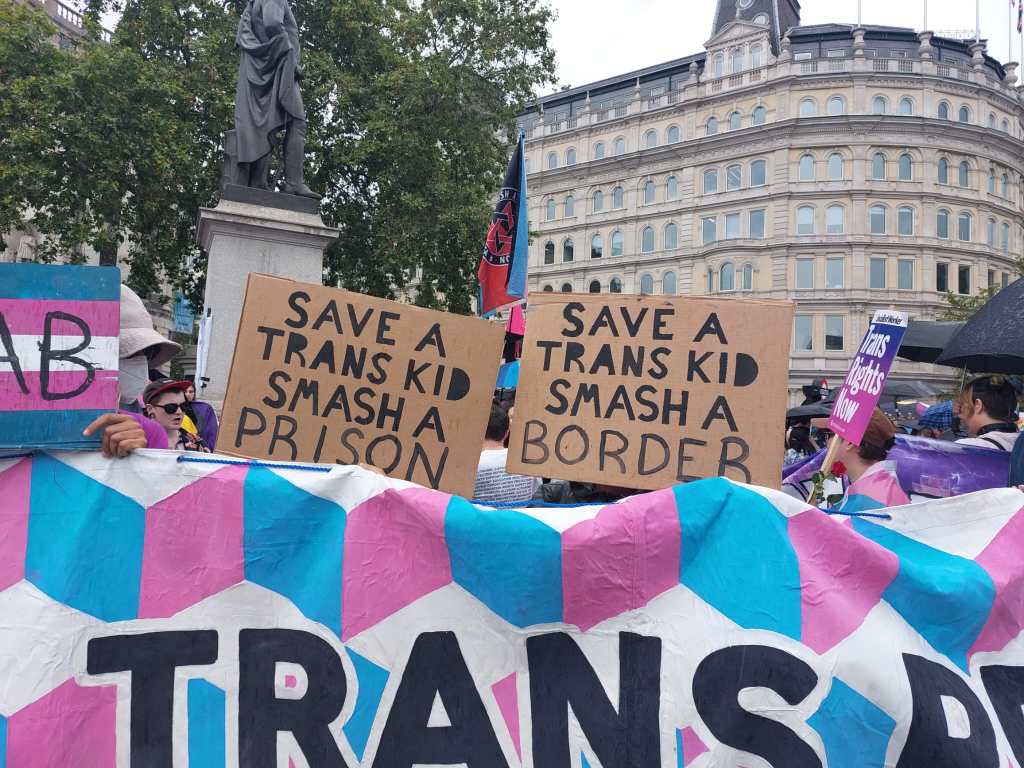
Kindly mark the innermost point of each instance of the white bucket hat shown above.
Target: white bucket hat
(137, 332)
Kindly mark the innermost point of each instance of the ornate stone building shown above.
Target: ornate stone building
(845, 168)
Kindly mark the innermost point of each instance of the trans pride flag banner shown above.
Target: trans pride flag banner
(164, 613)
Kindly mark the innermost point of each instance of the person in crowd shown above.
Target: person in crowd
(873, 480)
(493, 484)
(165, 403)
(799, 444)
(572, 492)
(202, 415)
(140, 348)
(987, 408)
(935, 423)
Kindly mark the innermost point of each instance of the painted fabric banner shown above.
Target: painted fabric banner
(165, 613)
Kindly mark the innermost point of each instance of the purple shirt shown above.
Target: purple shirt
(156, 436)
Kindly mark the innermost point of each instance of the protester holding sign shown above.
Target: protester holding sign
(988, 409)
(873, 481)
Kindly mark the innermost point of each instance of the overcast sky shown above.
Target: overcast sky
(595, 39)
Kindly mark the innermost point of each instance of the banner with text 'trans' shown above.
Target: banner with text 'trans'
(162, 613)
(648, 391)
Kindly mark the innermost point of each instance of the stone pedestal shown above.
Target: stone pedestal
(244, 237)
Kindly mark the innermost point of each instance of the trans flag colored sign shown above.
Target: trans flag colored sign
(866, 378)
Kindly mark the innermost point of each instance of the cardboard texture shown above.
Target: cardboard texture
(648, 391)
(329, 376)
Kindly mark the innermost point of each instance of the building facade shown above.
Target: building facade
(845, 168)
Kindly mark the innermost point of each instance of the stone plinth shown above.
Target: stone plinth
(241, 238)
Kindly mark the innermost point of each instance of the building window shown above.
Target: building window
(549, 289)
(964, 227)
(747, 277)
(711, 281)
(756, 224)
(1005, 280)
(942, 277)
(942, 224)
(836, 105)
(708, 229)
(943, 171)
(803, 333)
(671, 188)
(992, 181)
(735, 121)
(566, 287)
(732, 226)
(596, 247)
(835, 167)
(618, 198)
(965, 115)
(568, 251)
(646, 285)
(1005, 186)
(620, 146)
(906, 168)
(719, 65)
(598, 200)
(615, 285)
(965, 174)
(807, 168)
(671, 237)
(650, 191)
(595, 286)
(963, 279)
(727, 277)
(877, 219)
(668, 283)
(710, 180)
(760, 116)
(570, 157)
(733, 177)
(650, 139)
(805, 220)
(835, 220)
(834, 273)
(755, 56)
(599, 151)
(905, 275)
(906, 107)
(672, 135)
(737, 60)
(905, 221)
(616, 243)
(758, 173)
(1005, 243)
(943, 112)
(879, 105)
(647, 240)
(877, 274)
(1006, 125)
(834, 341)
(805, 274)
(711, 126)
(878, 167)
(808, 108)
(549, 252)
(552, 160)
(992, 120)
(990, 234)
(991, 278)
(570, 206)
(552, 210)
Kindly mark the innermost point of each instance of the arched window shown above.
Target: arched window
(733, 177)
(599, 151)
(748, 277)
(566, 287)
(737, 60)
(943, 171)
(964, 227)
(735, 121)
(905, 221)
(906, 168)
(719, 65)
(620, 146)
(570, 207)
(552, 210)
(808, 108)
(1005, 243)
(671, 236)
(836, 105)
(672, 135)
(879, 105)
(878, 166)
(906, 106)
(568, 250)
(647, 240)
(992, 120)
(1006, 125)
(671, 188)
(965, 115)
(651, 139)
(992, 181)
(668, 284)
(618, 198)
(727, 277)
(990, 234)
(878, 224)
(942, 224)
(760, 116)
(552, 160)
(549, 288)
(835, 167)
(570, 156)
(805, 220)
(595, 286)
(758, 173)
(650, 192)
(1004, 186)
(711, 126)
(549, 252)
(965, 174)
(646, 285)
(756, 56)
(615, 285)
(616, 243)
(598, 201)
(710, 180)
(835, 220)
(943, 112)
(807, 168)
(596, 247)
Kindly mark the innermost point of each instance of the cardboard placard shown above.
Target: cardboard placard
(648, 391)
(59, 332)
(325, 375)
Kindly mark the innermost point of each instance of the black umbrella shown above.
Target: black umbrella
(907, 389)
(993, 340)
(812, 411)
(925, 340)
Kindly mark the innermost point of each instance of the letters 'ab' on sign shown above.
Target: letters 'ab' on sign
(59, 327)
(329, 376)
(646, 392)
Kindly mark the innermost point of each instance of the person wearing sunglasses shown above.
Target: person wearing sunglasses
(164, 402)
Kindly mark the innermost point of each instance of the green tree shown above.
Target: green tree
(965, 307)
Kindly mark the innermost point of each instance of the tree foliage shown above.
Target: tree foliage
(410, 104)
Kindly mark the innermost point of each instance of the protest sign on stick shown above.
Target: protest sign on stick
(59, 327)
(325, 375)
(649, 391)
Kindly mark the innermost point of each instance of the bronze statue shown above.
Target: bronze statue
(268, 100)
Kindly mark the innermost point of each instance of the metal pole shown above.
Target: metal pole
(925, 27)
(977, 21)
(860, 7)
